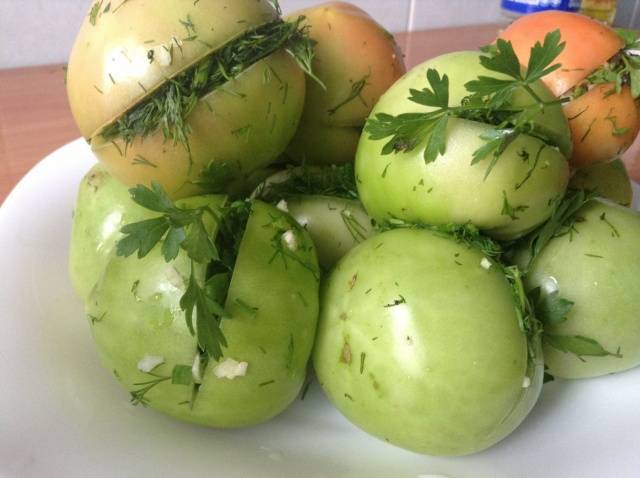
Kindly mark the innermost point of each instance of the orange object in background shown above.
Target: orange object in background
(603, 123)
(588, 44)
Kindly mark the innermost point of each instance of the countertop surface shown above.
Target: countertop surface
(35, 118)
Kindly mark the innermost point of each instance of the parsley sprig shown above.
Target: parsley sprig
(489, 101)
(622, 69)
(182, 228)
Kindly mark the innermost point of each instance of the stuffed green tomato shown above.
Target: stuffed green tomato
(323, 200)
(196, 99)
(189, 334)
(419, 344)
(584, 284)
(505, 191)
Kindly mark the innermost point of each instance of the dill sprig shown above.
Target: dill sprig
(561, 222)
(180, 375)
(335, 181)
(356, 92)
(489, 101)
(168, 108)
(467, 234)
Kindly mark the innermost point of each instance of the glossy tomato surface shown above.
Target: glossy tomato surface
(357, 60)
(419, 344)
(515, 197)
(596, 267)
(134, 313)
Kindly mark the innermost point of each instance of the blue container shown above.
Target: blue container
(516, 8)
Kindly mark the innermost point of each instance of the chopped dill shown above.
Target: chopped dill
(335, 181)
(168, 107)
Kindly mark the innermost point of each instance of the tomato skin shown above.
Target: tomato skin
(609, 180)
(597, 267)
(579, 57)
(120, 59)
(102, 207)
(419, 345)
(110, 68)
(351, 47)
(336, 225)
(268, 110)
(402, 185)
(603, 124)
(135, 310)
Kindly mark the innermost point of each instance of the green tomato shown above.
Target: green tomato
(103, 206)
(336, 225)
(597, 268)
(236, 129)
(121, 59)
(515, 197)
(609, 180)
(135, 316)
(419, 344)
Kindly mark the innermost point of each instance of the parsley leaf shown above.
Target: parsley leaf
(189, 229)
(181, 375)
(437, 143)
(488, 102)
(579, 346)
(550, 308)
(542, 57)
(437, 96)
(503, 59)
(181, 228)
(629, 37)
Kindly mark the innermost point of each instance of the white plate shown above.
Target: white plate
(62, 415)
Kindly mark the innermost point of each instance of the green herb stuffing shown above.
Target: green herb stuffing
(335, 181)
(622, 69)
(168, 107)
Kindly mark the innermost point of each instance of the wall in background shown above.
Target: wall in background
(36, 32)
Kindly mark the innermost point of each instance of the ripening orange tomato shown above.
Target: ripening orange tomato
(604, 122)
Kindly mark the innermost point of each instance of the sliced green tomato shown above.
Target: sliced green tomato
(103, 206)
(515, 197)
(336, 225)
(238, 128)
(609, 180)
(135, 314)
(419, 344)
(124, 51)
(597, 267)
